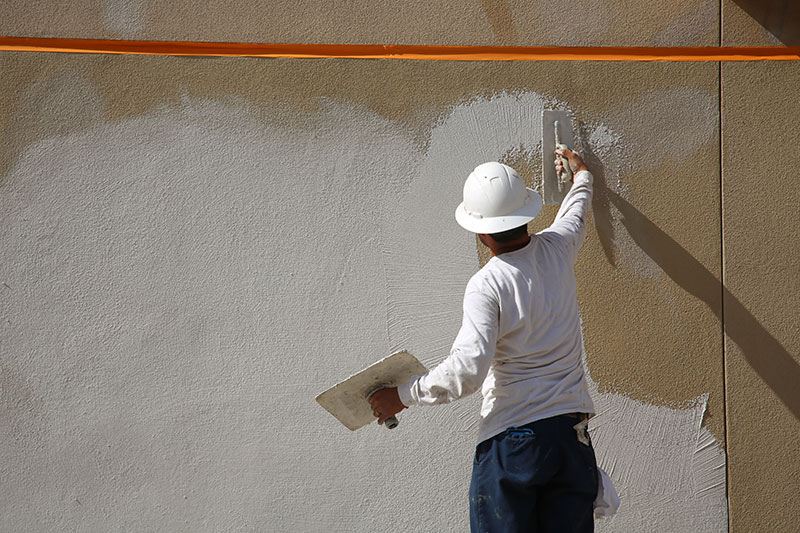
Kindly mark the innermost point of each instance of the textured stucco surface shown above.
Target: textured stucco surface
(179, 276)
(561, 22)
(188, 270)
(762, 275)
(760, 23)
(740, 29)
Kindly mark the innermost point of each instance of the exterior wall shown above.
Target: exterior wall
(759, 112)
(760, 23)
(627, 22)
(197, 247)
(761, 275)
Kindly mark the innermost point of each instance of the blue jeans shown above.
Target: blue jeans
(535, 478)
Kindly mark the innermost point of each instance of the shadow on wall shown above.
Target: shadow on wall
(779, 17)
(763, 352)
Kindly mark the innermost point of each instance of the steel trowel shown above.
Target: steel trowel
(556, 133)
(348, 401)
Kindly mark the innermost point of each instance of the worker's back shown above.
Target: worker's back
(520, 338)
(537, 370)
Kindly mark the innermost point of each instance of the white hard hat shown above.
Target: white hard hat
(496, 199)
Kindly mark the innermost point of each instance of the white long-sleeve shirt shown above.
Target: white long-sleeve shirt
(520, 339)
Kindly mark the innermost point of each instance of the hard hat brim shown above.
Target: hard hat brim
(528, 212)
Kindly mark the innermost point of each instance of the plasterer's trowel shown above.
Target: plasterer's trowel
(556, 133)
(348, 401)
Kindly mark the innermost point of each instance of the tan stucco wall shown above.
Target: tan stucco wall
(681, 22)
(673, 205)
(761, 268)
(760, 23)
(650, 335)
(762, 273)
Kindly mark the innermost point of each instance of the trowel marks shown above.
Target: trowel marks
(670, 471)
(180, 284)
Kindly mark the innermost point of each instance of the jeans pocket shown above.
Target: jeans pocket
(519, 434)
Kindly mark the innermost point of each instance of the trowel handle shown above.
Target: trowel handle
(566, 177)
(390, 422)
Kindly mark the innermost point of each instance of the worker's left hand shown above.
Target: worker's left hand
(385, 403)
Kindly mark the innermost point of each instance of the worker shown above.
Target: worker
(520, 343)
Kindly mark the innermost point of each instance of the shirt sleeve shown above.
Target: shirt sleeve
(570, 222)
(464, 370)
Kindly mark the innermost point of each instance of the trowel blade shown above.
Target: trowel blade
(551, 193)
(347, 401)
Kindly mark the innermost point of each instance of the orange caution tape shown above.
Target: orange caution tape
(401, 51)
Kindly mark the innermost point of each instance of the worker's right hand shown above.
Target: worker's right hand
(574, 160)
(385, 403)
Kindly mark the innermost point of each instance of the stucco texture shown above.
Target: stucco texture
(762, 269)
(760, 23)
(195, 248)
(759, 114)
(198, 247)
(628, 22)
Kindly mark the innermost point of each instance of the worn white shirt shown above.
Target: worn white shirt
(520, 340)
